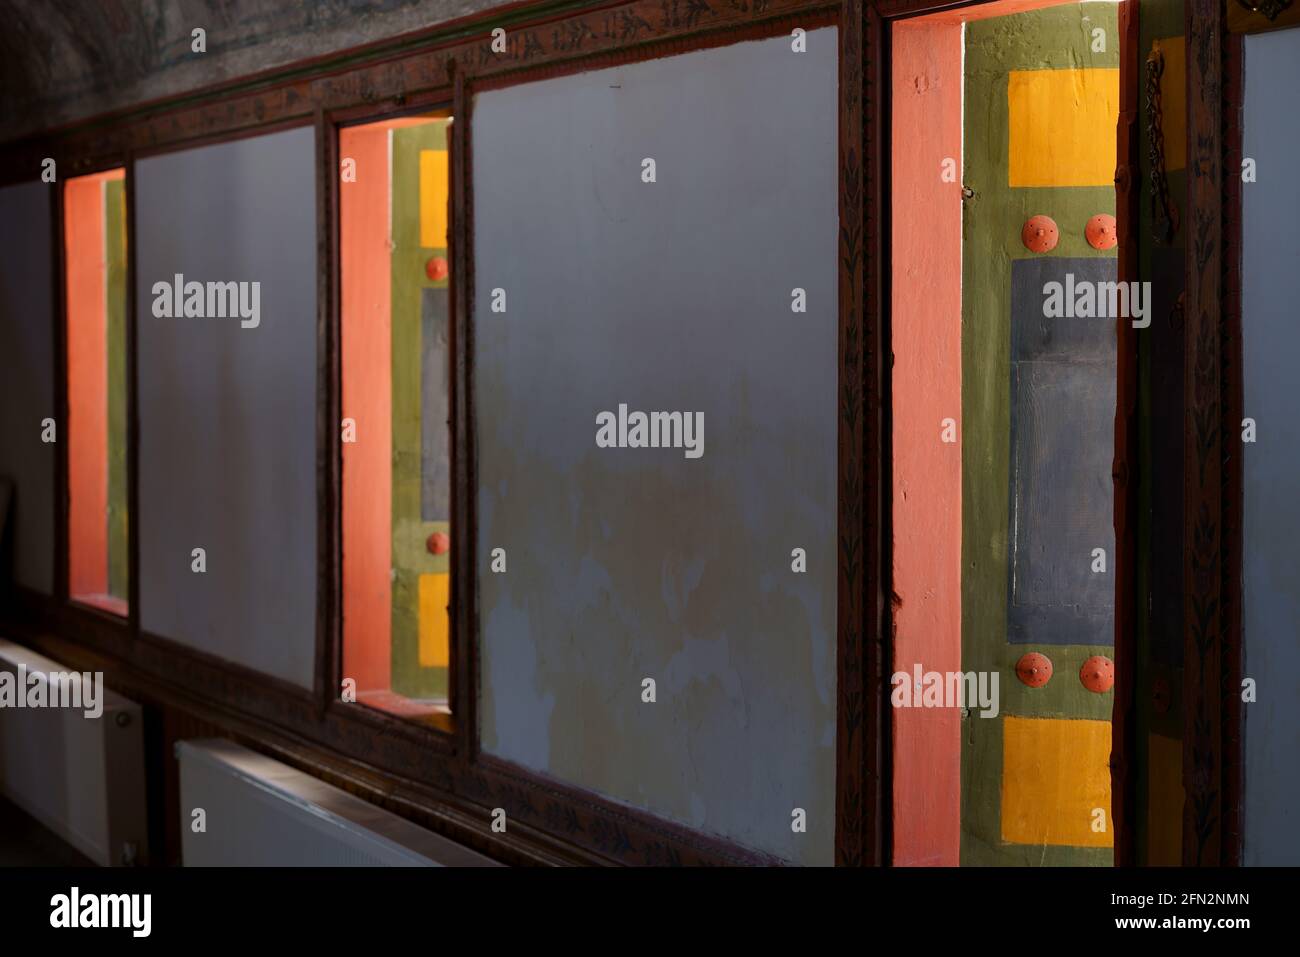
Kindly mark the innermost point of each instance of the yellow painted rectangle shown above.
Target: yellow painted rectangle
(1164, 801)
(435, 593)
(1055, 773)
(1061, 127)
(1173, 98)
(433, 199)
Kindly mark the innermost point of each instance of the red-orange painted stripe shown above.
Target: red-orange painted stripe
(86, 270)
(366, 339)
(927, 84)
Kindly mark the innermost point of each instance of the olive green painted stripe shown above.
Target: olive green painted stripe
(1054, 38)
(115, 241)
(411, 558)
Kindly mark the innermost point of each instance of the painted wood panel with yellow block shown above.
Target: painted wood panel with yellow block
(434, 183)
(1164, 801)
(1054, 119)
(1173, 101)
(1055, 774)
(434, 629)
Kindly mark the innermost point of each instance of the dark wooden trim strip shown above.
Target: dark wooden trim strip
(860, 617)
(878, 582)
(1124, 717)
(329, 449)
(59, 587)
(1204, 566)
(1233, 611)
(463, 678)
(606, 826)
(850, 681)
(132, 407)
(809, 17)
(537, 35)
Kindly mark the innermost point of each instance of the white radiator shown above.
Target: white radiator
(82, 777)
(243, 809)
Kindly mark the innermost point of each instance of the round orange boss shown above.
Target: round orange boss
(1034, 669)
(1100, 231)
(1098, 674)
(1039, 234)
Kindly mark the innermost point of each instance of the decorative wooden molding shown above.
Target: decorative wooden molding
(850, 677)
(329, 416)
(1242, 18)
(1212, 559)
(1233, 718)
(401, 74)
(1269, 8)
(463, 680)
(1124, 773)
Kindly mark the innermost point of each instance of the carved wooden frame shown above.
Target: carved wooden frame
(1212, 767)
(1212, 763)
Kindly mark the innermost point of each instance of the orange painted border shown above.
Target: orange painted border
(926, 306)
(86, 287)
(365, 348)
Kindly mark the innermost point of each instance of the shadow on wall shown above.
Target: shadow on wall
(52, 72)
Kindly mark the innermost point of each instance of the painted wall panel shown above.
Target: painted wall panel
(27, 371)
(435, 406)
(1062, 443)
(228, 414)
(628, 563)
(926, 299)
(115, 244)
(1056, 38)
(86, 304)
(1271, 466)
(420, 438)
(94, 282)
(365, 341)
(1049, 796)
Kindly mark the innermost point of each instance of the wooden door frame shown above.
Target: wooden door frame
(1124, 467)
(1212, 763)
(1212, 767)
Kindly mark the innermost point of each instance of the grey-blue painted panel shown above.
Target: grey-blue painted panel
(633, 563)
(1271, 466)
(27, 377)
(435, 397)
(1062, 445)
(228, 414)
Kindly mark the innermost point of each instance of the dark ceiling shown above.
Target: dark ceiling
(64, 60)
